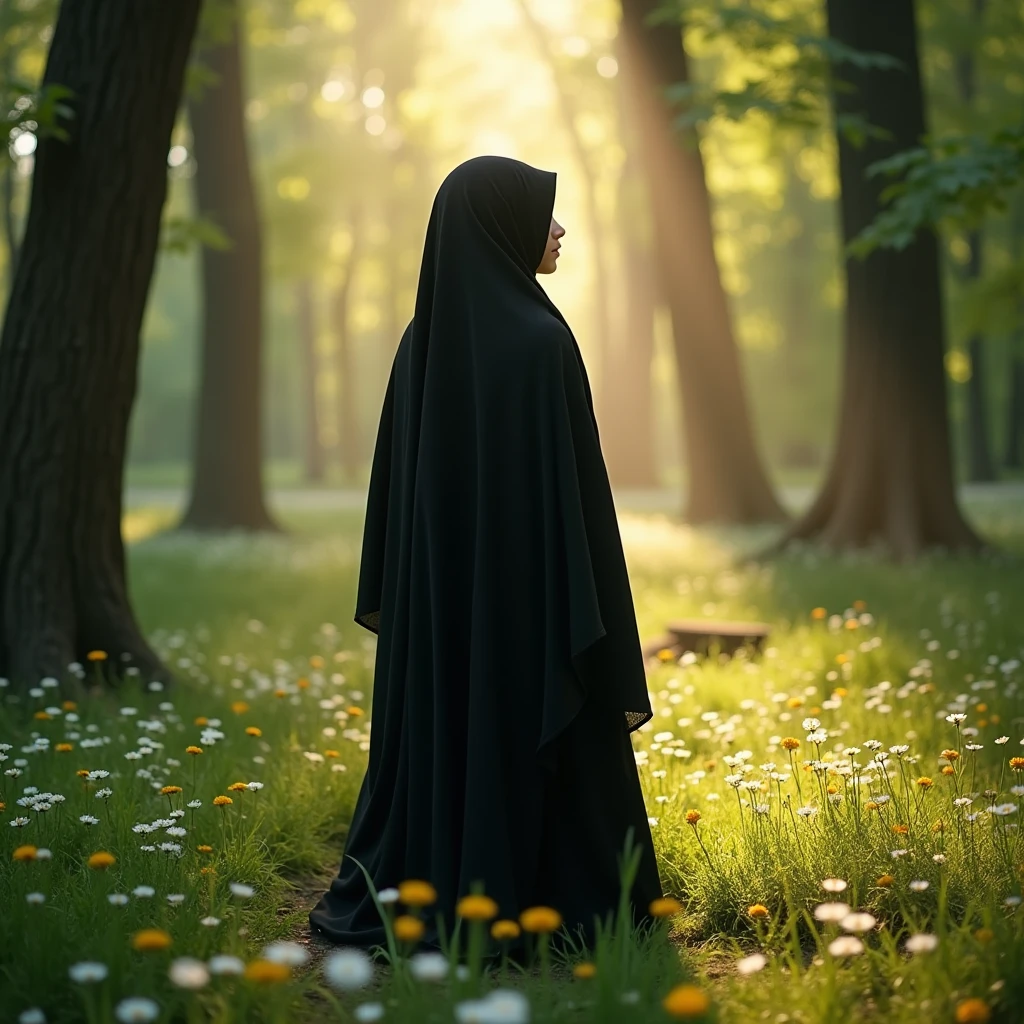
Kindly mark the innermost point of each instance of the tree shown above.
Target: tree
(727, 479)
(70, 342)
(227, 482)
(891, 478)
(305, 303)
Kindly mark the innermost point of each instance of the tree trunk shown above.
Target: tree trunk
(314, 449)
(227, 484)
(10, 230)
(1015, 412)
(629, 443)
(346, 420)
(891, 478)
(727, 479)
(70, 342)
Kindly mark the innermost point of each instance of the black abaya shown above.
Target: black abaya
(508, 669)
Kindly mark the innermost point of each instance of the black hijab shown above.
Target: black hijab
(492, 568)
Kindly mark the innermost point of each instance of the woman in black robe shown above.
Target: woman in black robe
(508, 669)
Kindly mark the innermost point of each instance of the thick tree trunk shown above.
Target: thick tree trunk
(891, 478)
(70, 341)
(306, 315)
(727, 479)
(629, 442)
(346, 421)
(227, 484)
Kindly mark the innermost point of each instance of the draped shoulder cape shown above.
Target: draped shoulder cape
(492, 566)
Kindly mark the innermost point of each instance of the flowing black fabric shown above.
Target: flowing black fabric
(508, 669)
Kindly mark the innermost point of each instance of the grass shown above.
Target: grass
(274, 687)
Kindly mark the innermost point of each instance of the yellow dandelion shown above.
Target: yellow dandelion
(900, 830)
(64, 748)
(984, 935)
(302, 683)
(69, 705)
(353, 710)
(239, 707)
(757, 911)
(82, 773)
(584, 970)
(207, 871)
(1017, 764)
(925, 783)
(332, 753)
(151, 940)
(42, 716)
(101, 860)
(204, 848)
(237, 787)
(477, 908)
(24, 853)
(686, 1001)
(818, 613)
(505, 929)
(884, 881)
(871, 805)
(253, 730)
(222, 801)
(267, 972)
(692, 817)
(948, 769)
(414, 892)
(194, 750)
(972, 1011)
(840, 691)
(842, 659)
(790, 743)
(96, 656)
(280, 693)
(170, 790)
(540, 919)
(665, 906)
(316, 661)
(666, 654)
(795, 702)
(408, 928)
(201, 720)
(859, 605)
(851, 623)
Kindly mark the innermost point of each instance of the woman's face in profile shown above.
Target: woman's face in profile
(549, 264)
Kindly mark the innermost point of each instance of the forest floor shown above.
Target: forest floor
(833, 770)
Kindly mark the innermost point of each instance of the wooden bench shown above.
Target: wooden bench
(702, 635)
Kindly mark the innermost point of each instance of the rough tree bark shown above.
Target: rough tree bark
(727, 481)
(891, 476)
(70, 342)
(306, 315)
(227, 480)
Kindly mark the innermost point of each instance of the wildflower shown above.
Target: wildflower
(790, 743)
(477, 908)
(236, 787)
(831, 912)
(143, 892)
(833, 885)
(924, 782)
(366, 1013)
(921, 943)
(64, 748)
(87, 972)
(117, 899)
(88, 819)
(751, 964)
(291, 954)
(972, 1011)
(193, 750)
(948, 769)
(239, 707)
(955, 719)
(24, 853)
(686, 1001)
(96, 656)
(254, 787)
(950, 754)
(584, 970)
(101, 860)
(204, 848)
(241, 890)
(666, 906)
(209, 922)
(35, 898)
(19, 822)
(223, 963)
(692, 817)
(187, 972)
(919, 885)
(818, 614)
(757, 911)
(349, 969)
(222, 801)
(267, 972)
(408, 928)
(430, 966)
(1017, 764)
(416, 893)
(151, 940)
(984, 935)
(540, 919)
(32, 1016)
(175, 898)
(505, 929)
(846, 945)
(857, 923)
(43, 853)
